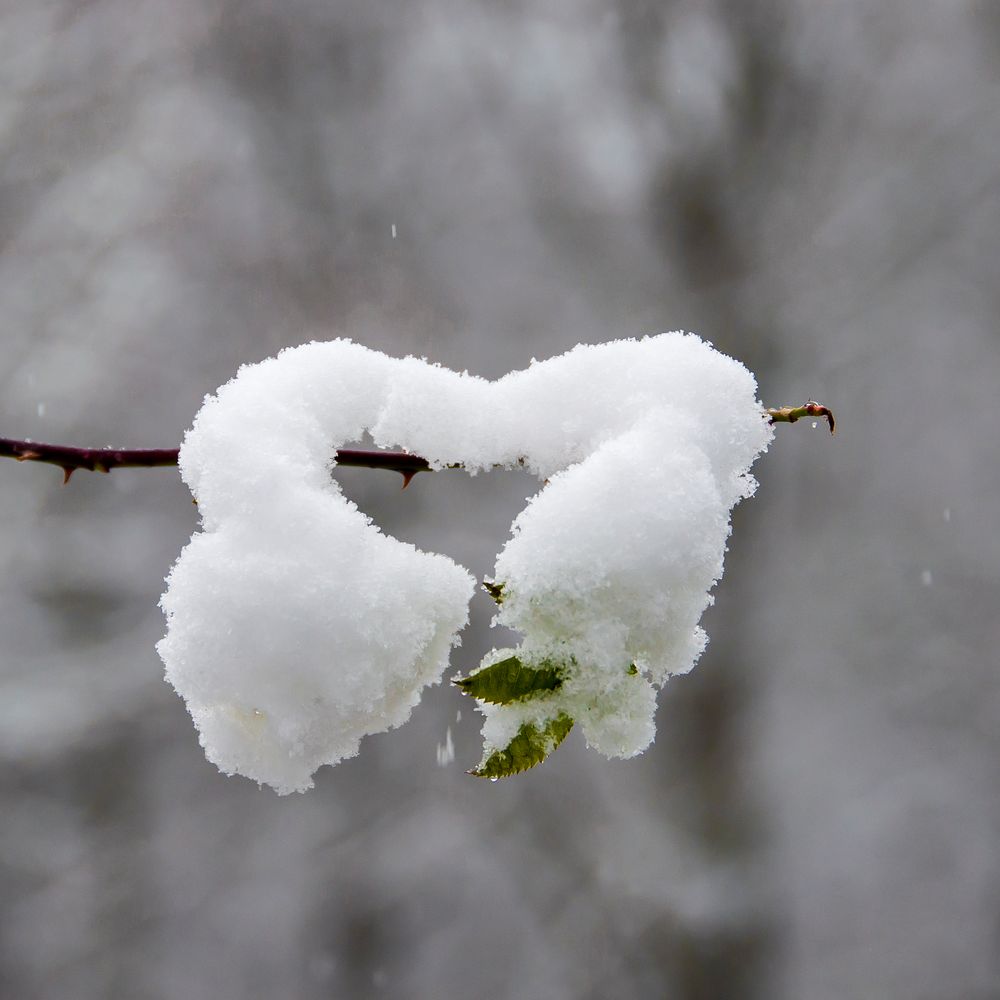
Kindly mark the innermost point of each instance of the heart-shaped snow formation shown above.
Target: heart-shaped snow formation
(295, 627)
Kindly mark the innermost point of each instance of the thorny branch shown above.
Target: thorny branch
(105, 459)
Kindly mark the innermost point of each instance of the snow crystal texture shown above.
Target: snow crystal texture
(295, 627)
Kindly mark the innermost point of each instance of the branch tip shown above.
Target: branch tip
(791, 414)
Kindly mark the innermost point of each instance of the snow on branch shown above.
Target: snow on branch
(295, 627)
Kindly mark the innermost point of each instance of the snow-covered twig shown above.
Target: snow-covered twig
(70, 459)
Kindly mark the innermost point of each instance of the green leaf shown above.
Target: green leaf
(529, 747)
(510, 680)
(494, 589)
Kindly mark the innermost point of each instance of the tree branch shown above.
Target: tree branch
(94, 459)
(105, 459)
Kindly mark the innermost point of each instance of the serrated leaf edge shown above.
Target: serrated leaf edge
(496, 765)
(510, 673)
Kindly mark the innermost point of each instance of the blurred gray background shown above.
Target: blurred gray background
(815, 187)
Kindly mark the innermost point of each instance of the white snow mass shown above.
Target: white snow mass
(295, 626)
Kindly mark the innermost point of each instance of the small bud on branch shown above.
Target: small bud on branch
(789, 414)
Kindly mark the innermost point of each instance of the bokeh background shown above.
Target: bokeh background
(186, 186)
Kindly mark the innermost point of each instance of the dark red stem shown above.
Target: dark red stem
(106, 459)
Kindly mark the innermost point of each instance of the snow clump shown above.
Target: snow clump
(295, 626)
